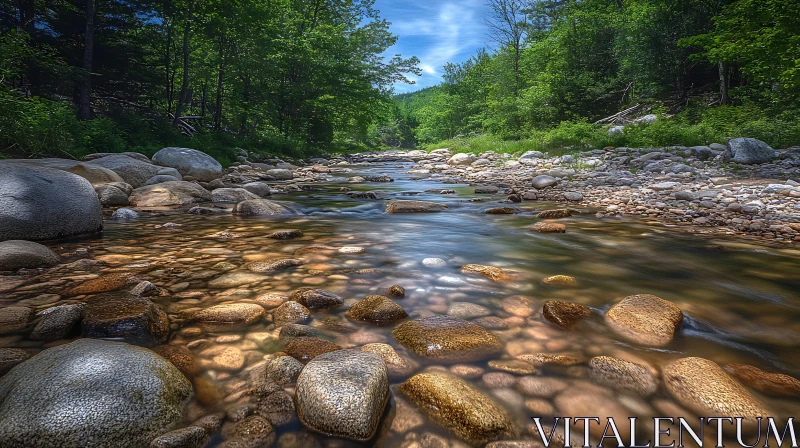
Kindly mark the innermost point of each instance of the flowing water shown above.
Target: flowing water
(741, 299)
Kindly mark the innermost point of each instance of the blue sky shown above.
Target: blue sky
(436, 31)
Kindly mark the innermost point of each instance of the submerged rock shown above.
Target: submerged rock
(560, 280)
(105, 283)
(316, 298)
(623, 375)
(306, 348)
(773, 384)
(490, 272)
(230, 313)
(401, 206)
(343, 394)
(645, 319)
(262, 207)
(564, 314)
(376, 309)
(58, 322)
(17, 254)
(15, 318)
(705, 388)
(290, 313)
(91, 393)
(447, 338)
(549, 227)
(274, 265)
(459, 407)
(555, 214)
(121, 315)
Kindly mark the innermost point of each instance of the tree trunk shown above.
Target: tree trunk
(168, 61)
(723, 84)
(85, 94)
(220, 75)
(27, 15)
(184, 92)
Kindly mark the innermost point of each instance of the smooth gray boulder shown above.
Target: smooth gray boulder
(91, 393)
(280, 174)
(169, 193)
(262, 207)
(343, 393)
(97, 175)
(99, 155)
(170, 172)
(38, 203)
(750, 151)
(17, 254)
(161, 178)
(543, 181)
(124, 214)
(111, 195)
(258, 188)
(132, 171)
(232, 195)
(189, 162)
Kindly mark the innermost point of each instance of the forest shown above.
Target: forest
(558, 70)
(271, 76)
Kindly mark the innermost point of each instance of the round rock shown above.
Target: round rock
(447, 338)
(645, 319)
(189, 162)
(16, 254)
(376, 309)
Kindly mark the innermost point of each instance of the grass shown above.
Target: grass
(715, 125)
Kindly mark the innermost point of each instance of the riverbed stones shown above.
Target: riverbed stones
(772, 384)
(274, 265)
(543, 181)
(105, 283)
(623, 376)
(487, 189)
(230, 313)
(467, 310)
(251, 432)
(39, 203)
(15, 318)
(457, 406)
(306, 348)
(189, 162)
(560, 280)
(376, 309)
(17, 254)
(122, 315)
(58, 322)
(224, 357)
(405, 206)
(564, 314)
(554, 214)
(750, 151)
(232, 195)
(549, 227)
(490, 272)
(705, 388)
(168, 194)
(645, 319)
(447, 338)
(91, 393)
(262, 207)
(132, 170)
(290, 313)
(343, 393)
(235, 279)
(316, 298)
(188, 437)
(284, 370)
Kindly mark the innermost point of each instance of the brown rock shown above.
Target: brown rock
(645, 319)
(10, 357)
(230, 313)
(555, 214)
(459, 407)
(104, 283)
(447, 338)
(564, 314)
(398, 366)
(560, 280)
(180, 357)
(121, 315)
(306, 348)
(15, 318)
(376, 309)
(396, 291)
(550, 360)
(290, 313)
(490, 272)
(502, 211)
(316, 298)
(414, 207)
(773, 384)
(549, 227)
(274, 265)
(623, 376)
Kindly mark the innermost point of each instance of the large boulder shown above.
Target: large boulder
(705, 388)
(91, 393)
(750, 151)
(100, 155)
(16, 254)
(447, 338)
(459, 407)
(645, 319)
(462, 159)
(132, 171)
(96, 175)
(343, 393)
(189, 162)
(262, 207)
(169, 193)
(38, 203)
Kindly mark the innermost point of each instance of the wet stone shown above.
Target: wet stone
(554, 214)
(396, 291)
(549, 227)
(316, 298)
(284, 370)
(271, 299)
(285, 234)
(447, 338)
(230, 313)
(189, 437)
(560, 280)
(645, 319)
(15, 318)
(536, 386)
(502, 211)
(514, 366)
(180, 357)
(376, 309)
(306, 348)
(252, 432)
(773, 384)
(623, 376)
(414, 207)
(396, 365)
(121, 315)
(274, 265)
(550, 360)
(490, 272)
(564, 314)
(289, 331)
(10, 357)
(223, 358)
(104, 283)
(235, 279)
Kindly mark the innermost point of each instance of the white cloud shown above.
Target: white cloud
(437, 32)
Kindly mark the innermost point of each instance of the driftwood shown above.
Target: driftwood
(622, 117)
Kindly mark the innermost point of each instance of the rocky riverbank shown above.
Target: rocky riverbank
(745, 188)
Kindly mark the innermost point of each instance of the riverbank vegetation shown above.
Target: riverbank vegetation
(561, 70)
(279, 77)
